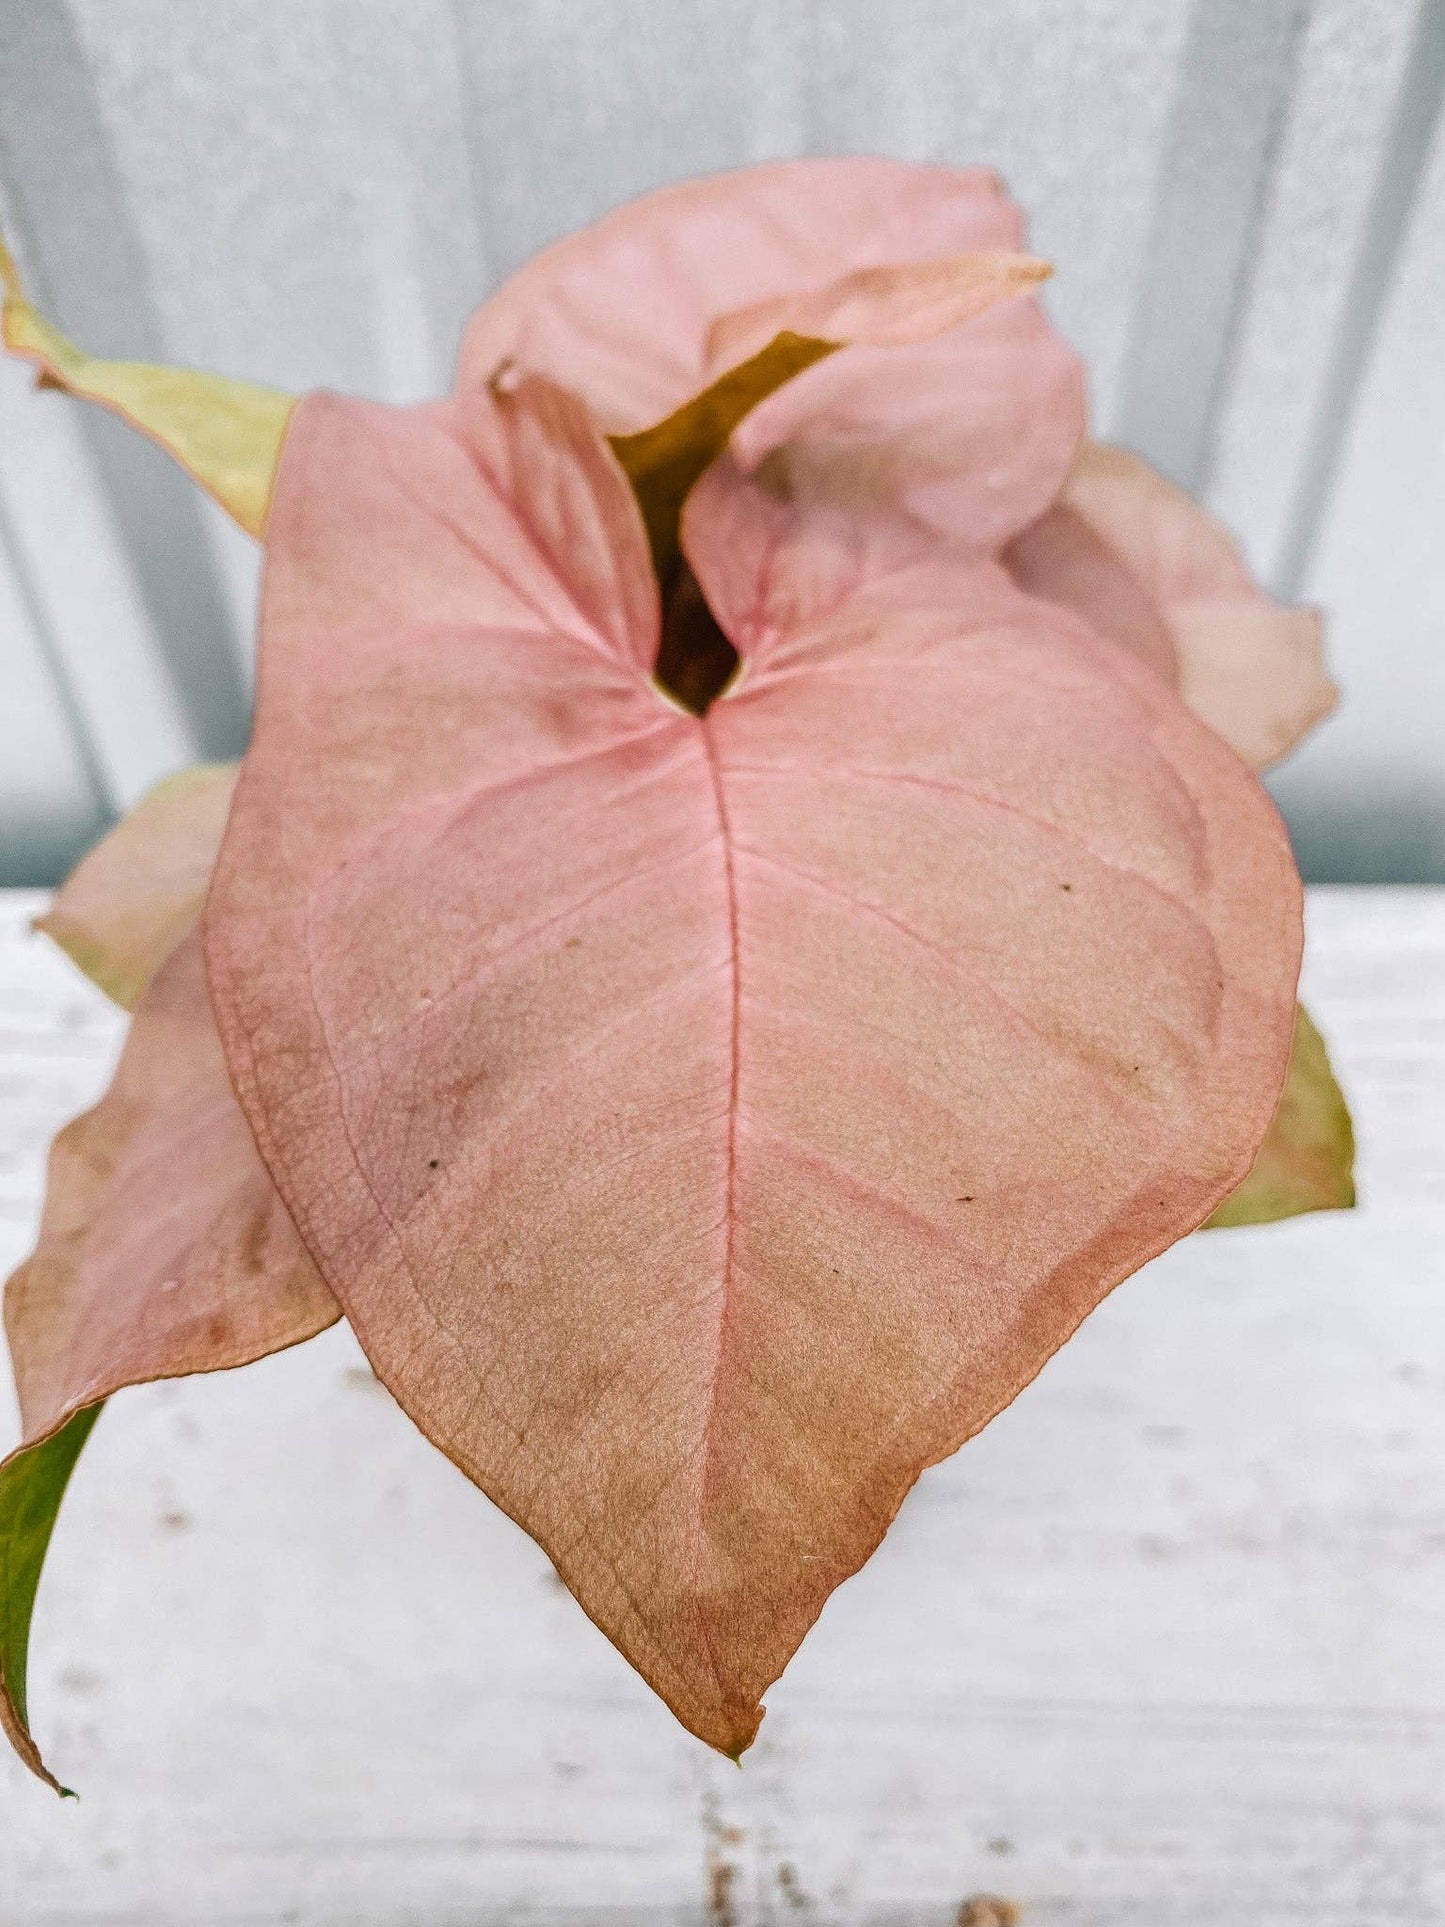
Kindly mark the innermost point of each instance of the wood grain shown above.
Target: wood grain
(1160, 1648)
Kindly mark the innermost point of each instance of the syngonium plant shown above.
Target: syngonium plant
(747, 910)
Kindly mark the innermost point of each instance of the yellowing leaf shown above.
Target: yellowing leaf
(1307, 1160)
(129, 901)
(226, 434)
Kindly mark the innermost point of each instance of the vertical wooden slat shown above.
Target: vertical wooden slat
(1232, 91)
(88, 266)
(52, 794)
(1417, 114)
(85, 593)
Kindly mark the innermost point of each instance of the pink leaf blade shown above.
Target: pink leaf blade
(163, 1251)
(708, 1122)
(1123, 543)
(879, 307)
(622, 311)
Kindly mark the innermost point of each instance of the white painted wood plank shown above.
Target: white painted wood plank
(1160, 1647)
(89, 600)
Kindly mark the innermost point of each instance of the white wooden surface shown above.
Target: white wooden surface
(1162, 1647)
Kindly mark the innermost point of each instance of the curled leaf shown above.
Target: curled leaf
(879, 307)
(226, 434)
(1307, 1159)
(766, 346)
(971, 429)
(623, 312)
(163, 1250)
(1252, 667)
(129, 901)
(709, 1121)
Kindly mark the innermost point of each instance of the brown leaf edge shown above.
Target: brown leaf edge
(1307, 1159)
(32, 1484)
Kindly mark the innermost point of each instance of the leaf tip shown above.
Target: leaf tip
(16, 1729)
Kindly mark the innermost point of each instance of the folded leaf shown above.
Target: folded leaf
(879, 307)
(783, 336)
(1307, 1160)
(1250, 666)
(972, 430)
(623, 312)
(163, 1250)
(226, 434)
(129, 901)
(709, 1121)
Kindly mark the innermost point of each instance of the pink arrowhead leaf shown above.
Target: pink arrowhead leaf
(163, 1250)
(707, 1122)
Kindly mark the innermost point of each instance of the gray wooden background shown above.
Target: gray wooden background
(1244, 199)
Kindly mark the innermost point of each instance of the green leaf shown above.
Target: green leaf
(1307, 1160)
(32, 1484)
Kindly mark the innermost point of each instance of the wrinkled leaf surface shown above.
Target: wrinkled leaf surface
(764, 347)
(708, 1122)
(971, 429)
